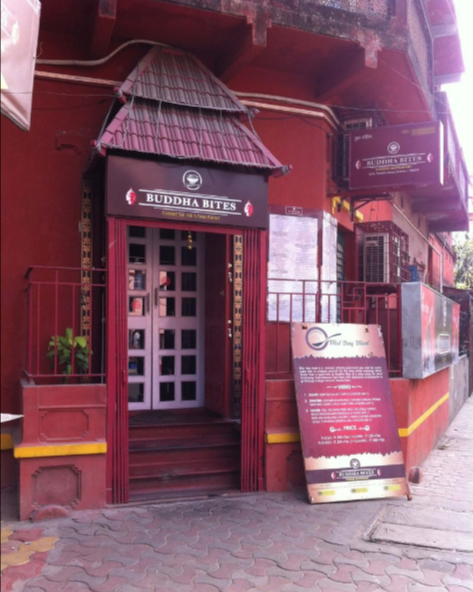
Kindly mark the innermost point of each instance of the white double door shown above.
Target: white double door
(165, 318)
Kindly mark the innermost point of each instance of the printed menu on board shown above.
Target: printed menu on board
(350, 439)
(292, 259)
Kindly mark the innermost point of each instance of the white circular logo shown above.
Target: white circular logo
(393, 148)
(192, 180)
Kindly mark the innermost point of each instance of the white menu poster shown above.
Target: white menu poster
(292, 268)
(328, 273)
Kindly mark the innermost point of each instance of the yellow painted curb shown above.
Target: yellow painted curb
(287, 437)
(404, 432)
(282, 438)
(6, 442)
(60, 450)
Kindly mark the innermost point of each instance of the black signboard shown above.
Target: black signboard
(182, 193)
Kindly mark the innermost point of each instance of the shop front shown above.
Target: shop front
(186, 312)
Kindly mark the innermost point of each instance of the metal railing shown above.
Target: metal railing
(330, 302)
(63, 303)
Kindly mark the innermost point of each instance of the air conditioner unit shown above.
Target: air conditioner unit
(348, 125)
(376, 258)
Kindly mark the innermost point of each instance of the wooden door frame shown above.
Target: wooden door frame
(253, 351)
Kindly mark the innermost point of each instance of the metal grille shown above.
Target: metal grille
(237, 322)
(383, 255)
(371, 8)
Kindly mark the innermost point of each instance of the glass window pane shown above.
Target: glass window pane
(167, 339)
(189, 391)
(167, 255)
(137, 253)
(136, 366)
(188, 256)
(166, 391)
(136, 306)
(137, 231)
(136, 338)
(189, 365)
(189, 307)
(136, 392)
(166, 365)
(167, 281)
(167, 234)
(188, 339)
(136, 279)
(189, 281)
(167, 307)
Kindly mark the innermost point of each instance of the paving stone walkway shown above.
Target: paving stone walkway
(264, 542)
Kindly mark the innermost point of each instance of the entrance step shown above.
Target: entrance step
(182, 452)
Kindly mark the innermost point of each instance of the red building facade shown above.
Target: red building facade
(139, 212)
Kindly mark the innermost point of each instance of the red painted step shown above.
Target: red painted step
(181, 430)
(183, 452)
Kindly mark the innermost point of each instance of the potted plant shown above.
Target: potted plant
(62, 453)
(63, 347)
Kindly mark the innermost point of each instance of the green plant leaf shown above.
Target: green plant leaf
(80, 341)
(69, 335)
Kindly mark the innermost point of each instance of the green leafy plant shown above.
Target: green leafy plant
(63, 346)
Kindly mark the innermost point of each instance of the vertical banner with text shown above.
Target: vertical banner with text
(350, 439)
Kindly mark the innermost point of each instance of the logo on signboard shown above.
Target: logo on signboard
(355, 463)
(192, 180)
(393, 148)
(131, 197)
(318, 339)
(248, 209)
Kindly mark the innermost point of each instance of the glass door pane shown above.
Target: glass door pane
(178, 283)
(139, 269)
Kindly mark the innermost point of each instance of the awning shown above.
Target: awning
(175, 107)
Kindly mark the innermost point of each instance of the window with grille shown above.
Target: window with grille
(383, 251)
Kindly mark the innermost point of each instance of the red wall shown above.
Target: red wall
(41, 204)
(413, 399)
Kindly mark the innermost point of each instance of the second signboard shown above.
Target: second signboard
(397, 156)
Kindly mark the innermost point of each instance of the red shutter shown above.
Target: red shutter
(253, 359)
(117, 365)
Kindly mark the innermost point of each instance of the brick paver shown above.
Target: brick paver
(250, 543)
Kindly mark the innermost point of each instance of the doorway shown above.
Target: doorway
(139, 455)
(165, 318)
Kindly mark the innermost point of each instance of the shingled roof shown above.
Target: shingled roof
(175, 107)
(180, 132)
(176, 77)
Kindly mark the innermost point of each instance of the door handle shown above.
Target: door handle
(155, 297)
(147, 303)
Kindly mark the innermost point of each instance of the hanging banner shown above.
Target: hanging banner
(20, 26)
(350, 439)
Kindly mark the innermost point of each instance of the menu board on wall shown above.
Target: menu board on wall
(350, 439)
(292, 259)
(328, 269)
